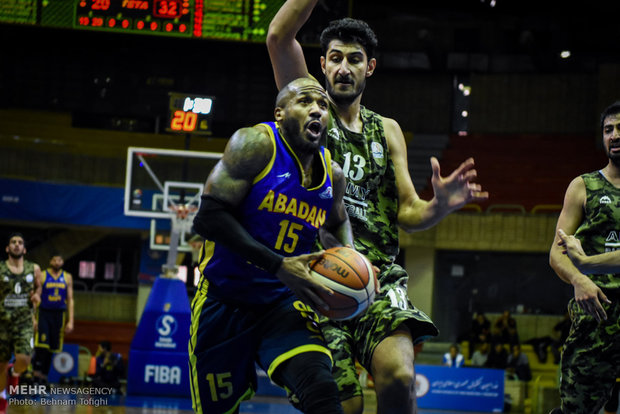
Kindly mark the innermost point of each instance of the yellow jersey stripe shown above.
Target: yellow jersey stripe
(266, 170)
(296, 351)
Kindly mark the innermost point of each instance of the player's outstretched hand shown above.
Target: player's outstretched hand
(457, 189)
(295, 273)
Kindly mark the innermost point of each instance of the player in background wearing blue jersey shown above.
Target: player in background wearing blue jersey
(54, 316)
(264, 202)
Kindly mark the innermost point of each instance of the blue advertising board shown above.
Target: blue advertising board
(165, 321)
(64, 363)
(158, 373)
(158, 358)
(462, 389)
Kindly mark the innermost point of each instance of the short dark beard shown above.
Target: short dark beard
(15, 256)
(290, 130)
(614, 159)
(343, 99)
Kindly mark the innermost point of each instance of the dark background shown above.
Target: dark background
(523, 94)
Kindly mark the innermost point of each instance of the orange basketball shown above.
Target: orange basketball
(351, 276)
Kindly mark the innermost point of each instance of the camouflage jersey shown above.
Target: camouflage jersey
(15, 288)
(371, 196)
(600, 230)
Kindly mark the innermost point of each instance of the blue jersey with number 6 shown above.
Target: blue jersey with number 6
(280, 213)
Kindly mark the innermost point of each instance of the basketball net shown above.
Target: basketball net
(182, 218)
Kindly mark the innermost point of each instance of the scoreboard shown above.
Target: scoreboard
(189, 113)
(243, 20)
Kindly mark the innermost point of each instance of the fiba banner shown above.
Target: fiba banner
(158, 359)
(158, 373)
(462, 389)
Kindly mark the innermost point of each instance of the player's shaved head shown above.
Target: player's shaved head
(297, 86)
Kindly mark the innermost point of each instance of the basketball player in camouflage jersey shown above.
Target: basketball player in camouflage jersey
(591, 355)
(380, 196)
(20, 292)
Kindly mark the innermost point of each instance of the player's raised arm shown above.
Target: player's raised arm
(285, 52)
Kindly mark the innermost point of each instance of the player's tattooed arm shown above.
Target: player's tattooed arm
(248, 152)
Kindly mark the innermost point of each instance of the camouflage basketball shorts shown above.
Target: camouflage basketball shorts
(590, 359)
(16, 333)
(357, 339)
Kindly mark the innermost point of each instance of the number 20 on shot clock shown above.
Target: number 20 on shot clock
(190, 114)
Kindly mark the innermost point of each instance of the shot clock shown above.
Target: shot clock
(190, 114)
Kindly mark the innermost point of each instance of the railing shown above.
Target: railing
(103, 287)
(513, 208)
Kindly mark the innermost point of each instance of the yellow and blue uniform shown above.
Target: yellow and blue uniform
(242, 314)
(51, 314)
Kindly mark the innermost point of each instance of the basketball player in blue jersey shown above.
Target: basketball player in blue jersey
(264, 203)
(54, 316)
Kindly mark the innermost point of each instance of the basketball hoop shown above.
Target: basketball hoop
(183, 217)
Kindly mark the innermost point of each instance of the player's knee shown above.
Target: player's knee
(395, 379)
(21, 363)
(353, 405)
(320, 397)
(309, 376)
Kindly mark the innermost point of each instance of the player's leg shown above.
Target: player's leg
(41, 362)
(340, 342)
(6, 347)
(21, 334)
(295, 356)
(4, 369)
(309, 376)
(611, 406)
(385, 336)
(344, 371)
(5, 357)
(47, 341)
(589, 361)
(221, 355)
(21, 363)
(393, 372)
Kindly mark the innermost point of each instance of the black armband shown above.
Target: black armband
(216, 222)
